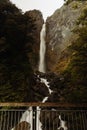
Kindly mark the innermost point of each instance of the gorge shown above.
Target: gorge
(62, 74)
(20, 55)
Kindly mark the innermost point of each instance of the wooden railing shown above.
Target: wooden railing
(47, 104)
(55, 116)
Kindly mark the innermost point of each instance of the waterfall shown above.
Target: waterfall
(42, 67)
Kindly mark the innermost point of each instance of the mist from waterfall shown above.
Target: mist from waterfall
(42, 65)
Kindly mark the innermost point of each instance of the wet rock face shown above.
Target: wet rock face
(59, 31)
(39, 90)
(55, 82)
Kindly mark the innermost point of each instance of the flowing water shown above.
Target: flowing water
(42, 66)
(28, 115)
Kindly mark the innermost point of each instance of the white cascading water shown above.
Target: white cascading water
(42, 66)
(28, 115)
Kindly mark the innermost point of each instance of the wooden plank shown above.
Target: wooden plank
(47, 104)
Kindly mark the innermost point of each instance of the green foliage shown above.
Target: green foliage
(76, 95)
(76, 72)
(4, 1)
(69, 1)
(16, 39)
(75, 6)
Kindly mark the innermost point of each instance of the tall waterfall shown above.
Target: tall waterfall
(42, 66)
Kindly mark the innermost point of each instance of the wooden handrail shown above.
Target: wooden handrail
(47, 104)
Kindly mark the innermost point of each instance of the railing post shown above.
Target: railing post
(34, 118)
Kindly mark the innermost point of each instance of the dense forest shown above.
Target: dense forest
(16, 41)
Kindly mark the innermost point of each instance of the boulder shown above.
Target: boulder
(22, 126)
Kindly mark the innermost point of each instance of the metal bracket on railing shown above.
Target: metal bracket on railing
(34, 118)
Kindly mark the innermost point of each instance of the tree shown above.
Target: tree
(76, 72)
(15, 46)
(4, 1)
(69, 1)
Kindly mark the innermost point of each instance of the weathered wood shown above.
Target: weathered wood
(47, 104)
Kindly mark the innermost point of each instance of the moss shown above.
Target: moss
(62, 65)
(75, 6)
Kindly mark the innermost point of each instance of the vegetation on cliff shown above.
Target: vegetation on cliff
(16, 43)
(19, 42)
(76, 71)
(69, 1)
(73, 58)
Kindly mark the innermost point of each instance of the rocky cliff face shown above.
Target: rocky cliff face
(38, 22)
(59, 32)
